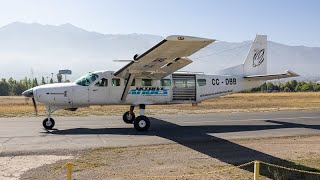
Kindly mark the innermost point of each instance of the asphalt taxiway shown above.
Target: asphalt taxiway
(25, 135)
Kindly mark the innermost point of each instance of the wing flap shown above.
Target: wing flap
(287, 74)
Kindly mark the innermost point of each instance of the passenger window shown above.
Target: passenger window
(202, 82)
(102, 82)
(132, 84)
(146, 82)
(165, 82)
(115, 82)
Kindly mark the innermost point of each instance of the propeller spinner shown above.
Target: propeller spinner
(29, 93)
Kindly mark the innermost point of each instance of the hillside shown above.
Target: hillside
(35, 50)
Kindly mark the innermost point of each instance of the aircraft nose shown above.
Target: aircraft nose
(28, 93)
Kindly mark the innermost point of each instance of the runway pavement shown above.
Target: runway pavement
(27, 136)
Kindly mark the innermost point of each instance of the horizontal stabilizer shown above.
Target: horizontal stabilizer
(272, 76)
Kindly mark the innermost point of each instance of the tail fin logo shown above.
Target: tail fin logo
(258, 58)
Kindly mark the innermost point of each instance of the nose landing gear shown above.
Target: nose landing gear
(48, 123)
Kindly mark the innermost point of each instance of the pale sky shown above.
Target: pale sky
(292, 22)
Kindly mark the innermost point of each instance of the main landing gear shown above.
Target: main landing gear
(141, 123)
(48, 123)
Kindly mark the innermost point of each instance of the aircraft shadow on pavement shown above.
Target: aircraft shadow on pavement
(198, 139)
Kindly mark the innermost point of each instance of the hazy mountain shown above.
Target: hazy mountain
(39, 50)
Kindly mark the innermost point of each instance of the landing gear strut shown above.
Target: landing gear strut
(48, 123)
(142, 123)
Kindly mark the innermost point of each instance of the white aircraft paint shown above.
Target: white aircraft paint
(154, 83)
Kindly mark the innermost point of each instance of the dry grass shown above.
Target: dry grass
(20, 106)
(176, 160)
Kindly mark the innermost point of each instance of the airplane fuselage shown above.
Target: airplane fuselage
(107, 89)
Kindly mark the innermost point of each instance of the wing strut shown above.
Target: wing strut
(127, 87)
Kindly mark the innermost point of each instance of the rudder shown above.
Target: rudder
(256, 61)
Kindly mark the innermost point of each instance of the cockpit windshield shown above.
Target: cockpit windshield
(87, 79)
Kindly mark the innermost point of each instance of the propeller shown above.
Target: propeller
(29, 93)
(35, 106)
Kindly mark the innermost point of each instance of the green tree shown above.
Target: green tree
(286, 89)
(51, 81)
(35, 82)
(270, 86)
(263, 87)
(305, 88)
(12, 83)
(310, 86)
(4, 88)
(43, 81)
(25, 82)
(316, 87)
(287, 85)
(297, 89)
(293, 84)
(29, 83)
(18, 89)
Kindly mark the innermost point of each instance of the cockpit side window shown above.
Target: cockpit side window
(87, 79)
(103, 82)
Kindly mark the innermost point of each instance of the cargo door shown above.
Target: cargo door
(184, 87)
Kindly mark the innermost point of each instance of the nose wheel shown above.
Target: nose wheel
(48, 123)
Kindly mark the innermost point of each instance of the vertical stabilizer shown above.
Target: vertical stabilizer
(256, 61)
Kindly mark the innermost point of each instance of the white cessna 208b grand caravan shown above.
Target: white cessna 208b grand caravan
(150, 79)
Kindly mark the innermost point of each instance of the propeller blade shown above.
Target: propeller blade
(35, 106)
(26, 100)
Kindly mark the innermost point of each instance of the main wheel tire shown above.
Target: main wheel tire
(141, 123)
(128, 117)
(48, 124)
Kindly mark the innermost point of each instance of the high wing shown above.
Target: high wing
(287, 74)
(164, 58)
